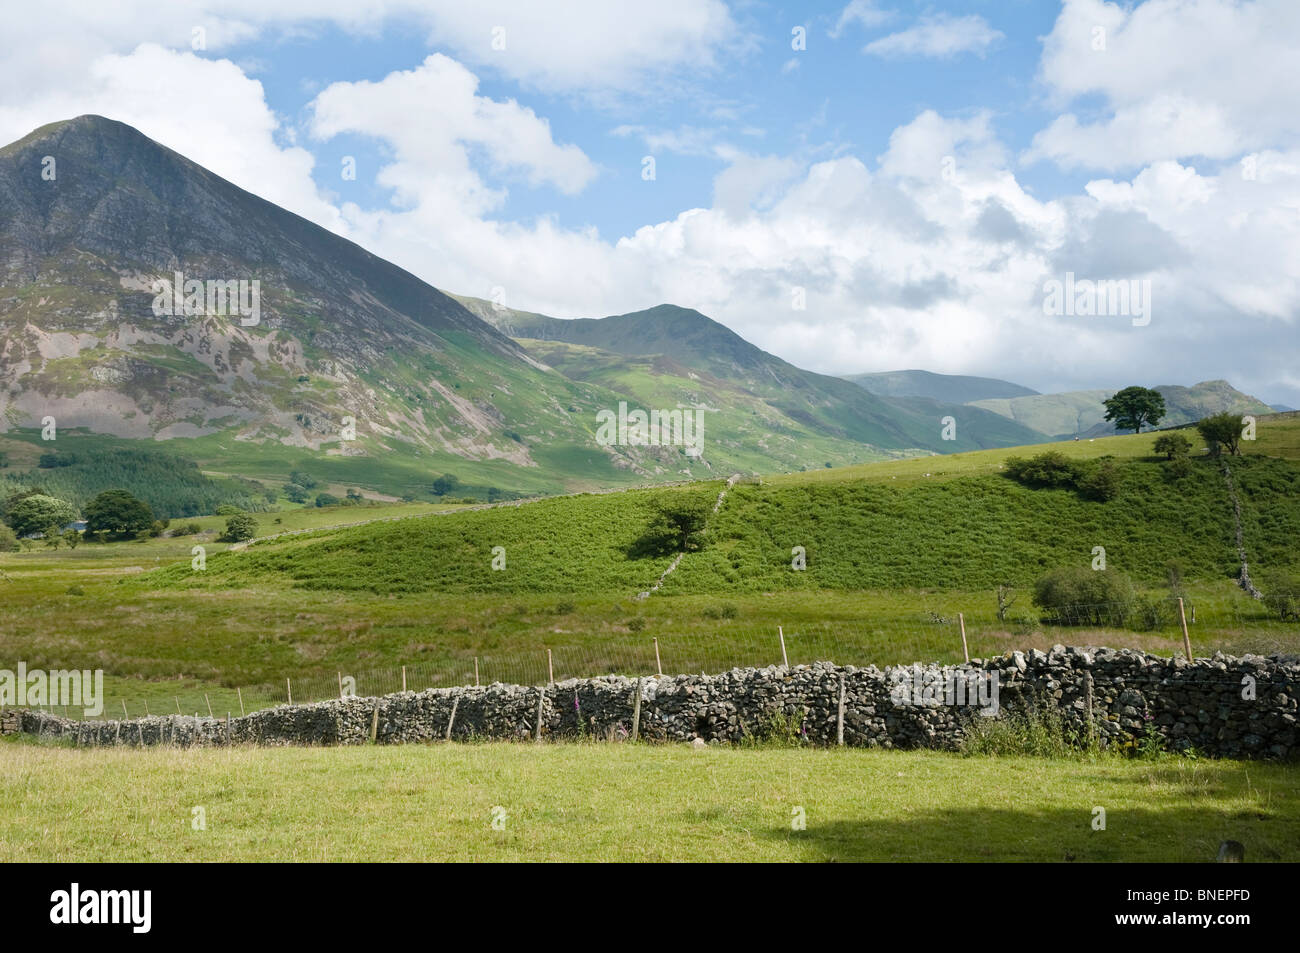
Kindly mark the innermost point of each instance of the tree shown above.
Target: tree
(303, 479)
(119, 514)
(1222, 430)
(239, 527)
(33, 513)
(1135, 406)
(326, 499)
(1173, 444)
(71, 537)
(445, 484)
(1006, 599)
(676, 527)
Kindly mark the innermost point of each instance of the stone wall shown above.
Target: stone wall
(1224, 706)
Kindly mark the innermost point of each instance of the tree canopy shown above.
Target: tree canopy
(35, 513)
(119, 514)
(1135, 407)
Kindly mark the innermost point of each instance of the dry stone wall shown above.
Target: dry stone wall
(1222, 706)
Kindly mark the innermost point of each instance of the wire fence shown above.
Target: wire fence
(930, 635)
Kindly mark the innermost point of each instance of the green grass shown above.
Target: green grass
(635, 803)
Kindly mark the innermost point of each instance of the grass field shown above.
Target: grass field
(632, 803)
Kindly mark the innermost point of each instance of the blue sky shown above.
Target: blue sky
(919, 175)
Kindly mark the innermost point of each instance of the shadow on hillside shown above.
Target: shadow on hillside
(1178, 834)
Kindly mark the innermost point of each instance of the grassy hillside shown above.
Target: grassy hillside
(972, 530)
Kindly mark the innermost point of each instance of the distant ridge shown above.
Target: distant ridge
(954, 388)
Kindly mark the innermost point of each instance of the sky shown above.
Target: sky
(853, 186)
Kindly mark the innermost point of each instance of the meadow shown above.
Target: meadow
(634, 803)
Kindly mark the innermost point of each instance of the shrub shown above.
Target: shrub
(1173, 444)
(1077, 595)
(1049, 469)
(326, 499)
(8, 541)
(1282, 595)
(1101, 482)
(239, 527)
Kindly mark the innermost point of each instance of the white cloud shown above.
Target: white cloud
(1179, 78)
(207, 110)
(865, 13)
(940, 35)
(453, 118)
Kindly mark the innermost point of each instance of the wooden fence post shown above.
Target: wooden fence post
(209, 701)
(403, 678)
(785, 661)
(961, 620)
(288, 687)
(541, 700)
(178, 704)
(240, 692)
(658, 664)
(452, 720)
(550, 669)
(1182, 617)
(636, 711)
(476, 671)
(374, 724)
(839, 718)
(124, 714)
(146, 708)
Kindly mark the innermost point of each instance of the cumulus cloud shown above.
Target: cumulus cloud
(453, 118)
(940, 35)
(1178, 79)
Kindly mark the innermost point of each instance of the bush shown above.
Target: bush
(1049, 469)
(326, 499)
(239, 527)
(1077, 595)
(1173, 444)
(8, 541)
(1282, 595)
(1101, 482)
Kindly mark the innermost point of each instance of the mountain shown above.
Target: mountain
(1083, 413)
(334, 339)
(951, 388)
(641, 352)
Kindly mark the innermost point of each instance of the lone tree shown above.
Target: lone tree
(239, 527)
(118, 514)
(1222, 431)
(1135, 406)
(677, 526)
